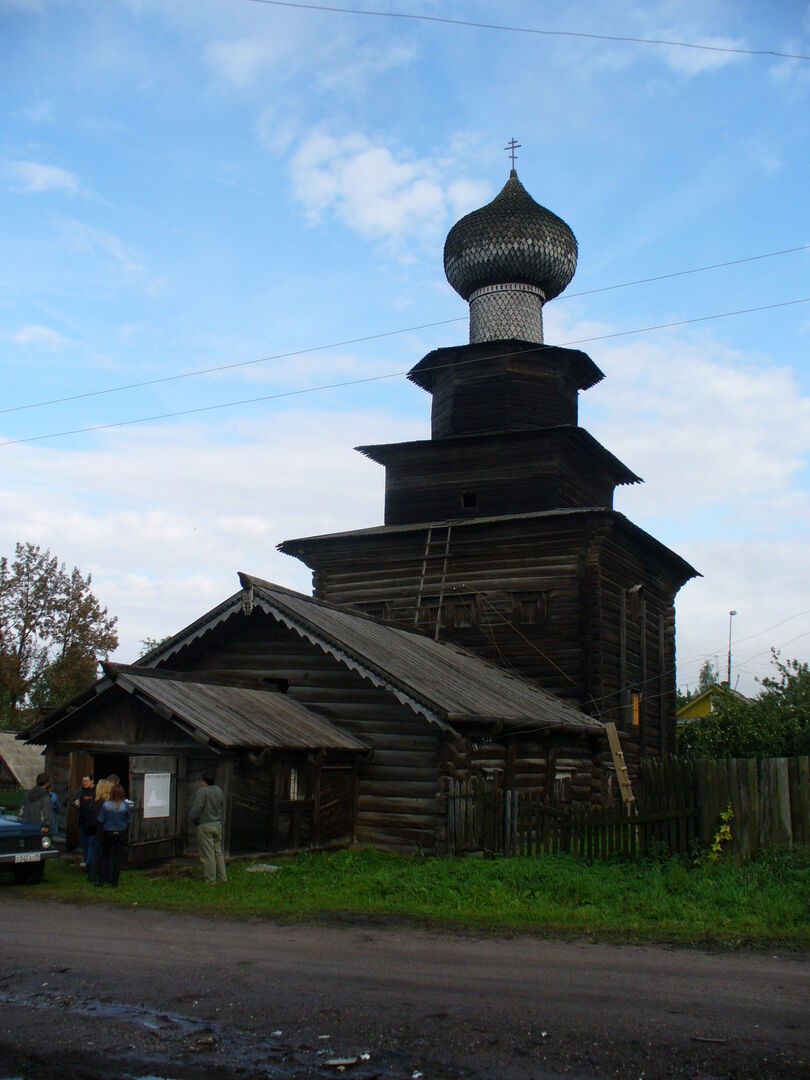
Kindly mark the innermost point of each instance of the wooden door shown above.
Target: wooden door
(81, 764)
(153, 834)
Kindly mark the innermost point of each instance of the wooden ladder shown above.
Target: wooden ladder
(434, 552)
(628, 798)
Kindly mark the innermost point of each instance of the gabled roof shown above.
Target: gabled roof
(701, 704)
(21, 760)
(228, 717)
(443, 682)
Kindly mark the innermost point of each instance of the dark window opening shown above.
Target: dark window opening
(379, 609)
(428, 612)
(469, 499)
(530, 609)
(635, 597)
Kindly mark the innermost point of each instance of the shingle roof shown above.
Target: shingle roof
(447, 681)
(22, 761)
(232, 716)
(511, 239)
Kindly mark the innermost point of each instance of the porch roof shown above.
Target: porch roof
(230, 717)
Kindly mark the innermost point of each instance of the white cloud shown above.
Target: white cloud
(369, 189)
(40, 335)
(708, 428)
(32, 176)
(792, 77)
(42, 112)
(191, 505)
(241, 60)
(695, 61)
(88, 240)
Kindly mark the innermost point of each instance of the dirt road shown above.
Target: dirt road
(96, 992)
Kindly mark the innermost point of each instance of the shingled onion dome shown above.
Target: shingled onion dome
(507, 259)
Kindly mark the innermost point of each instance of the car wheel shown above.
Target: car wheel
(29, 875)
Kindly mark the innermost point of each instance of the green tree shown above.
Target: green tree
(148, 644)
(707, 676)
(53, 631)
(775, 724)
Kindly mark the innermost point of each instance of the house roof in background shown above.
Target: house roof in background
(701, 704)
(21, 760)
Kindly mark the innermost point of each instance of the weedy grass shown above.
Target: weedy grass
(11, 800)
(764, 903)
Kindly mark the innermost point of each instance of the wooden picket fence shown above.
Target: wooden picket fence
(482, 817)
(678, 805)
(769, 799)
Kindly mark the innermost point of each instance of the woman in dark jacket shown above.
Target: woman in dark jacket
(113, 820)
(94, 861)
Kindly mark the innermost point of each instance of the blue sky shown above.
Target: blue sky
(197, 184)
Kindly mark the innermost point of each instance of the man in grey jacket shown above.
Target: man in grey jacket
(36, 805)
(206, 813)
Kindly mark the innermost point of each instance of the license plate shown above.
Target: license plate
(29, 856)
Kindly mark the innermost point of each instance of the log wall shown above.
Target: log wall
(396, 796)
(596, 638)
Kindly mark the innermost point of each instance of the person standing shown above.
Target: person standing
(83, 799)
(95, 865)
(206, 813)
(113, 820)
(36, 805)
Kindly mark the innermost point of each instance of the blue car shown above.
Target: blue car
(24, 849)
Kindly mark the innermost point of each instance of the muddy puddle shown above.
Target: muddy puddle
(157, 1044)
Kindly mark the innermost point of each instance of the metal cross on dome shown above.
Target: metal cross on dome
(512, 146)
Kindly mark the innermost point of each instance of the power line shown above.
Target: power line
(229, 367)
(626, 39)
(376, 337)
(684, 273)
(388, 375)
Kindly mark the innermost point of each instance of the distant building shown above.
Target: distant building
(19, 763)
(705, 703)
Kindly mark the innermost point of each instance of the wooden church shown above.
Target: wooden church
(491, 626)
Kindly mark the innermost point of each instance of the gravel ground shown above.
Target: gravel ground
(105, 993)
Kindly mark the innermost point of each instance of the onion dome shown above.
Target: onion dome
(511, 239)
(507, 259)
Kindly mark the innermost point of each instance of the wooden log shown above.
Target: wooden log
(804, 797)
(783, 833)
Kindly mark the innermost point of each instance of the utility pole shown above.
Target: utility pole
(731, 615)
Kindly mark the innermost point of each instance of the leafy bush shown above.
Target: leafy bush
(775, 724)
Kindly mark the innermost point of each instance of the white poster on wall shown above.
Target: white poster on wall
(157, 788)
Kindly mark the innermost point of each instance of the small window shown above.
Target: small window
(295, 784)
(530, 609)
(469, 500)
(635, 705)
(461, 613)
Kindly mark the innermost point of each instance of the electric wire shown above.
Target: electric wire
(390, 375)
(141, 384)
(636, 684)
(620, 38)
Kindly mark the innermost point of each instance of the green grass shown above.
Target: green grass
(11, 799)
(764, 903)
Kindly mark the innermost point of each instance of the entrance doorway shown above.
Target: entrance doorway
(105, 765)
